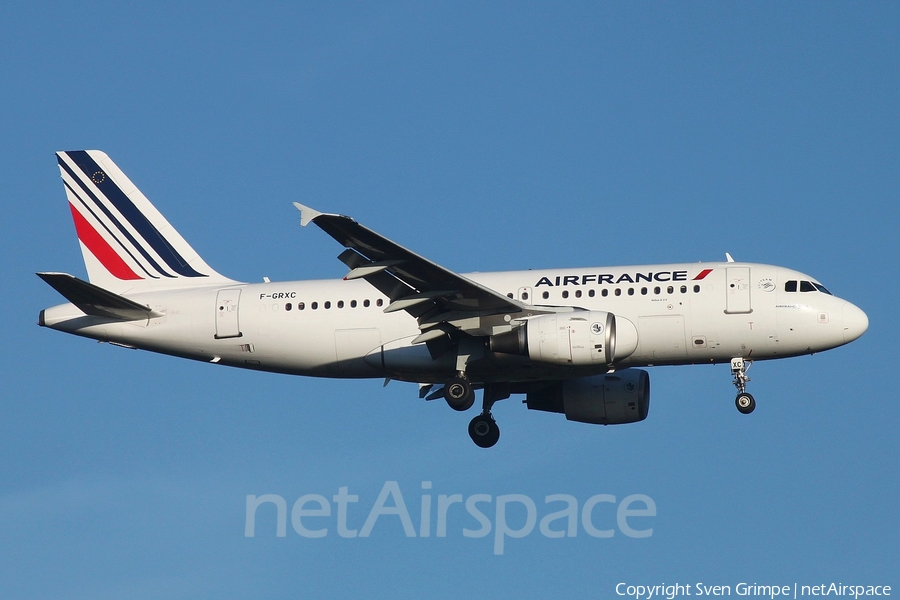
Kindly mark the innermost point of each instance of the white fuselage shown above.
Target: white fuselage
(683, 313)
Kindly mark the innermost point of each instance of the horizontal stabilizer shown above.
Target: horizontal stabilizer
(94, 300)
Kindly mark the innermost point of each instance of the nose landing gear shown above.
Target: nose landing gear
(744, 402)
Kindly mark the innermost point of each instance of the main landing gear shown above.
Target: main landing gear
(460, 395)
(483, 430)
(744, 401)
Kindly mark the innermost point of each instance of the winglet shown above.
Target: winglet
(307, 214)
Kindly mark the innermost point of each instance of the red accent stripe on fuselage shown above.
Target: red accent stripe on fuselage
(703, 274)
(100, 248)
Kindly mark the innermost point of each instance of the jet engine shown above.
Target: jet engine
(577, 338)
(611, 399)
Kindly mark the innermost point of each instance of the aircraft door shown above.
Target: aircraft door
(227, 325)
(737, 290)
(525, 295)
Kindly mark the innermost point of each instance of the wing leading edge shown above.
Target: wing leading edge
(432, 294)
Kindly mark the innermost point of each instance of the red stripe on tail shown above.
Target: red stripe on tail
(100, 248)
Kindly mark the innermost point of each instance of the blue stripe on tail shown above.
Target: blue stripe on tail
(135, 217)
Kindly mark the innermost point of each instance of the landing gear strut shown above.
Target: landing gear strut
(744, 401)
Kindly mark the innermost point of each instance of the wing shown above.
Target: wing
(440, 299)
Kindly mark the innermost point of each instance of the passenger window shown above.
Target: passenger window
(806, 286)
(696, 289)
(314, 305)
(618, 292)
(327, 304)
(656, 290)
(379, 302)
(631, 291)
(524, 295)
(288, 306)
(790, 286)
(353, 304)
(301, 306)
(509, 295)
(366, 303)
(578, 293)
(340, 304)
(565, 293)
(643, 291)
(545, 295)
(591, 293)
(670, 290)
(604, 293)
(684, 289)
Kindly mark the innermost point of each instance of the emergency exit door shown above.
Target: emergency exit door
(227, 325)
(737, 290)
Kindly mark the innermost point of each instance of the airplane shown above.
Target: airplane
(571, 340)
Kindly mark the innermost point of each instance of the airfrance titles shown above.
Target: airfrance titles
(609, 278)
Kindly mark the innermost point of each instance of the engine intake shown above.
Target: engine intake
(579, 338)
(611, 399)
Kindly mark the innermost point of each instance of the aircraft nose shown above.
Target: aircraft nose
(855, 322)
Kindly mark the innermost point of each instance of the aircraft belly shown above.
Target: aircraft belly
(411, 361)
(351, 348)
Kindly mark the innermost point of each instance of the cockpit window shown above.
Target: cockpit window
(805, 286)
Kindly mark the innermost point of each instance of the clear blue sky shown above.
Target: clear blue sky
(508, 136)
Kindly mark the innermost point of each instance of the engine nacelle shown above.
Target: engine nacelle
(575, 338)
(611, 399)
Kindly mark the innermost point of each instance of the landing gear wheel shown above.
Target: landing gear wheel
(484, 431)
(745, 403)
(459, 394)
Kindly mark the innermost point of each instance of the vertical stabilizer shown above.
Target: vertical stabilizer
(127, 244)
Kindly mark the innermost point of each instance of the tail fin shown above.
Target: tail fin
(126, 243)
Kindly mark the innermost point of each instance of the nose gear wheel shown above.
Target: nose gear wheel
(745, 403)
